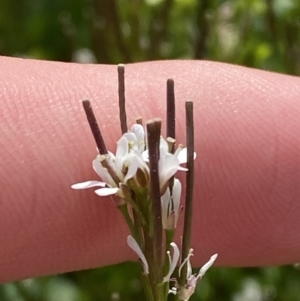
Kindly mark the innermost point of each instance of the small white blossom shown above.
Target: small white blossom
(137, 137)
(170, 206)
(118, 169)
(105, 176)
(131, 158)
(192, 279)
(168, 163)
(184, 293)
(136, 162)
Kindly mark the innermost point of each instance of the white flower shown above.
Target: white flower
(136, 248)
(132, 161)
(136, 162)
(118, 169)
(184, 293)
(136, 137)
(170, 206)
(168, 163)
(192, 279)
(105, 176)
(109, 185)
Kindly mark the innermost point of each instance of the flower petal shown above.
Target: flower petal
(106, 191)
(116, 164)
(139, 132)
(167, 165)
(121, 153)
(176, 198)
(182, 168)
(131, 138)
(88, 184)
(145, 155)
(103, 173)
(131, 170)
(176, 255)
(163, 145)
(135, 161)
(182, 155)
(136, 248)
(207, 266)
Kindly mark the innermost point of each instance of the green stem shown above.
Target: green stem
(137, 210)
(147, 288)
(123, 208)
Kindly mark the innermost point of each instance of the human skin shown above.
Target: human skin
(247, 140)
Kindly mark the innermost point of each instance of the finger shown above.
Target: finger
(247, 167)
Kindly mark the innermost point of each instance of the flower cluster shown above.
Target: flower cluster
(140, 177)
(185, 292)
(129, 170)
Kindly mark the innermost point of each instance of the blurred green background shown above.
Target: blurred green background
(256, 33)
(263, 34)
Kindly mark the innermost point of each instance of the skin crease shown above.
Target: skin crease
(247, 191)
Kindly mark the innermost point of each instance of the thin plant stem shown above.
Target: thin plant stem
(171, 122)
(147, 288)
(123, 208)
(153, 131)
(189, 188)
(121, 82)
(170, 109)
(129, 199)
(94, 127)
